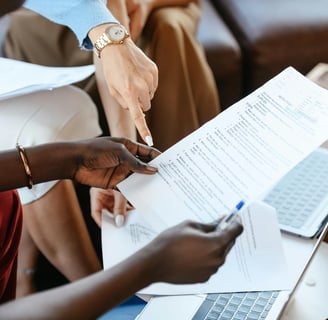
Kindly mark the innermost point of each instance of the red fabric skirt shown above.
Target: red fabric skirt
(10, 234)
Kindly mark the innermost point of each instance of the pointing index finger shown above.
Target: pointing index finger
(140, 122)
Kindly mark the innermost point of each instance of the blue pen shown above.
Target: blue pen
(229, 218)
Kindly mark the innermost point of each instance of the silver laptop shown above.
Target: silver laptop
(301, 196)
(264, 305)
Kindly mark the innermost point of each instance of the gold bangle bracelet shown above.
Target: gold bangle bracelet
(26, 165)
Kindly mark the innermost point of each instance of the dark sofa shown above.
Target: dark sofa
(247, 42)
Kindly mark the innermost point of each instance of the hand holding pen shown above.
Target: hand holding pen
(230, 217)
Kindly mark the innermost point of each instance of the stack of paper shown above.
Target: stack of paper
(18, 78)
(238, 155)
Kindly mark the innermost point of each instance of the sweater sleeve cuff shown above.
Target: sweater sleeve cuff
(83, 20)
(80, 16)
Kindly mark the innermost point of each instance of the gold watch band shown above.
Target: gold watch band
(104, 40)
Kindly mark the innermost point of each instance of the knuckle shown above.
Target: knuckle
(188, 223)
(138, 116)
(154, 67)
(219, 261)
(146, 107)
(115, 94)
(128, 90)
(209, 272)
(121, 149)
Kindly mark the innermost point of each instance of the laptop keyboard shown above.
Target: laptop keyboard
(237, 306)
(301, 191)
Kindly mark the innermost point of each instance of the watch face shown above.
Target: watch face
(116, 33)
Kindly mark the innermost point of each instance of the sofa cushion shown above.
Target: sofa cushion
(222, 52)
(4, 23)
(274, 34)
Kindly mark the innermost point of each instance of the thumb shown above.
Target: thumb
(203, 227)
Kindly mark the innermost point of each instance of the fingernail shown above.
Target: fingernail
(149, 141)
(150, 168)
(119, 220)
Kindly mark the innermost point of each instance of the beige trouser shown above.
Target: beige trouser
(186, 96)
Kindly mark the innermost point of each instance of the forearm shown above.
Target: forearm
(87, 298)
(47, 162)
(119, 119)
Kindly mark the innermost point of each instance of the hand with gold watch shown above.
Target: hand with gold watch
(129, 74)
(113, 34)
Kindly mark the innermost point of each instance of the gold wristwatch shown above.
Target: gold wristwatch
(114, 34)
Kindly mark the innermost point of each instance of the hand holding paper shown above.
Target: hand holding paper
(258, 248)
(191, 252)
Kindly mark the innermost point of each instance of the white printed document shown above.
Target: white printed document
(238, 155)
(256, 262)
(18, 77)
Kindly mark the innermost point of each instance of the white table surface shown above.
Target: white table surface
(311, 299)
